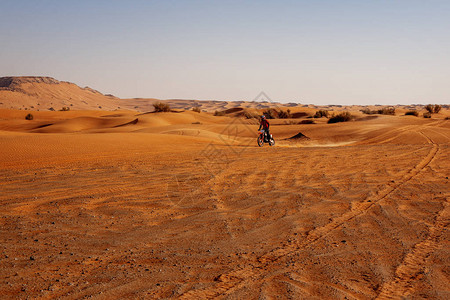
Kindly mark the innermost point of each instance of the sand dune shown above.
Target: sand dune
(185, 205)
(46, 93)
(84, 123)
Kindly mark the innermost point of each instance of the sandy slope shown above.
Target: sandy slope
(44, 93)
(185, 205)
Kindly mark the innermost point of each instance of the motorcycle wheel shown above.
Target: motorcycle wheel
(260, 141)
(271, 142)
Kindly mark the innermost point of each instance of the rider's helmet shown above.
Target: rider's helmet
(263, 117)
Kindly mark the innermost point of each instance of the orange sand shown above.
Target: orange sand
(186, 205)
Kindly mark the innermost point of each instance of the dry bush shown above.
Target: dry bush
(412, 113)
(29, 117)
(427, 115)
(250, 115)
(196, 109)
(387, 111)
(382, 111)
(433, 109)
(65, 108)
(341, 117)
(284, 114)
(307, 122)
(321, 113)
(161, 107)
(219, 113)
(270, 113)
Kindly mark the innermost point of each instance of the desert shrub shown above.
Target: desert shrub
(65, 108)
(447, 118)
(161, 107)
(196, 109)
(29, 117)
(307, 122)
(321, 113)
(51, 109)
(387, 111)
(427, 115)
(250, 115)
(341, 117)
(412, 113)
(219, 113)
(382, 111)
(284, 114)
(270, 113)
(433, 109)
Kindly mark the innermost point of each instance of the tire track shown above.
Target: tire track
(400, 132)
(256, 271)
(412, 267)
(441, 134)
(397, 132)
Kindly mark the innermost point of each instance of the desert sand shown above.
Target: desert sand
(126, 204)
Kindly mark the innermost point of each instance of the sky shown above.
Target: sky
(321, 52)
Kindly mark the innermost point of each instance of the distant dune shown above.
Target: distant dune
(46, 93)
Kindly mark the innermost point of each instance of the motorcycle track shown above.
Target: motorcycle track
(257, 271)
(412, 267)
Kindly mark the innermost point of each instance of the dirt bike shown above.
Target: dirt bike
(262, 138)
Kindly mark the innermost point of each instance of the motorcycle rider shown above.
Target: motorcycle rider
(264, 124)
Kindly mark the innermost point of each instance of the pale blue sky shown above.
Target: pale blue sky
(322, 52)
